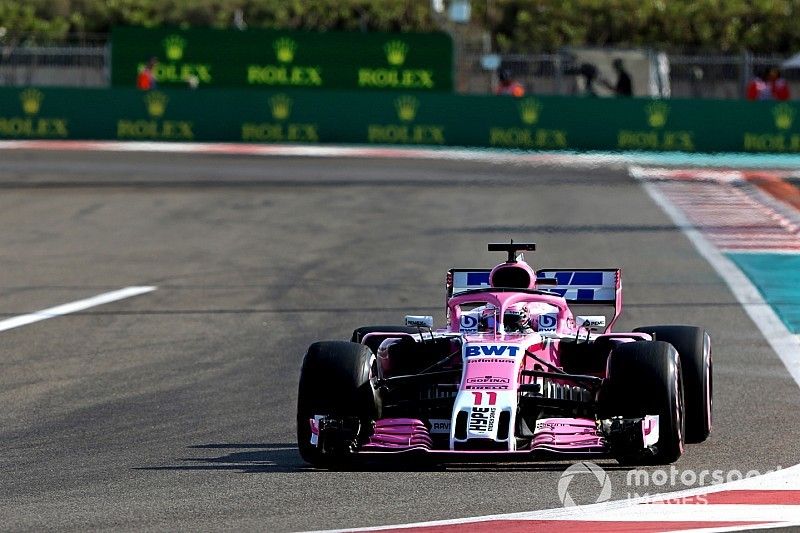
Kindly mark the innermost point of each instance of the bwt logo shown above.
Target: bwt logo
(469, 323)
(499, 349)
(547, 322)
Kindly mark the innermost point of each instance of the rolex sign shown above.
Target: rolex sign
(276, 59)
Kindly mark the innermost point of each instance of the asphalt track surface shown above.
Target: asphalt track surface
(175, 409)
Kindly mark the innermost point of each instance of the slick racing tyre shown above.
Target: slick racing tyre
(335, 381)
(694, 347)
(361, 332)
(644, 378)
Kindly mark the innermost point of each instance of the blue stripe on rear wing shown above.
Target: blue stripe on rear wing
(583, 286)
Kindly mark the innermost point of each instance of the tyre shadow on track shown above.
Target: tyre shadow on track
(250, 458)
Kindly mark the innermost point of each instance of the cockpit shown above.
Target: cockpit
(497, 312)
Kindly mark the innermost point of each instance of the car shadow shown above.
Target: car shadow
(254, 458)
(247, 458)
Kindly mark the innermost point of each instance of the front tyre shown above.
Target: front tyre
(694, 347)
(644, 378)
(335, 381)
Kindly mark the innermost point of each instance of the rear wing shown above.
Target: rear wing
(584, 286)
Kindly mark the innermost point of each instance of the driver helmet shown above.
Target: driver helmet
(517, 319)
(488, 318)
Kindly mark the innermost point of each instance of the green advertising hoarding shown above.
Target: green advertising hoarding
(400, 118)
(286, 59)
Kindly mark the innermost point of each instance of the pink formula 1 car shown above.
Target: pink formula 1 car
(515, 371)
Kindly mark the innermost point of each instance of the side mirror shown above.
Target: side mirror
(591, 321)
(419, 321)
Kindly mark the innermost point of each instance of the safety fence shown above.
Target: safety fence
(383, 117)
(356, 60)
(69, 65)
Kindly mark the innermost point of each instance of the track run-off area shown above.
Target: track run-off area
(156, 302)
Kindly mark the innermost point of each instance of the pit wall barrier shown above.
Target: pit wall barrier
(399, 118)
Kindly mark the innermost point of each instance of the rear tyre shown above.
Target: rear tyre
(644, 378)
(335, 380)
(694, 347)
(373, 344)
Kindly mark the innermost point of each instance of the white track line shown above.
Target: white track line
(73, 307)
(782, 341)
(300, 150)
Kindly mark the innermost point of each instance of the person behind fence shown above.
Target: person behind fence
(146, 79)
(777, 85)
(624, 86)
(758, 88)
(508, 85)
(589, 73)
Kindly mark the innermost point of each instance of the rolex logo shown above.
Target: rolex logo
(406, 107)
(784, 116)
(31, 101)
(285, 49)
(156, 104)
(173, 47)
(657, 114)
(529, 109)
(281, 106)
(396, 52)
